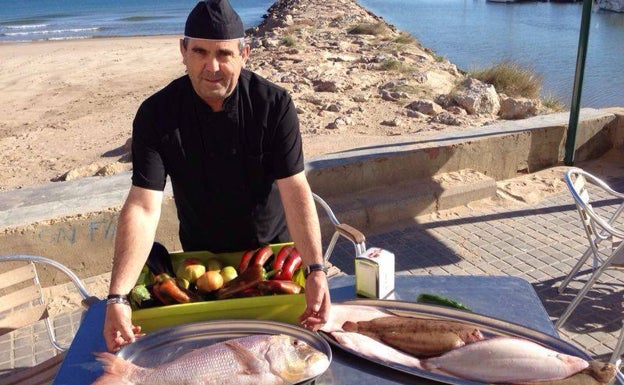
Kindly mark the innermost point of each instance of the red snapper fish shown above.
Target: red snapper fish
(252, 360)
(506, 360)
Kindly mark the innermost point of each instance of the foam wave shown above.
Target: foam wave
(26, 26)
(52, 32)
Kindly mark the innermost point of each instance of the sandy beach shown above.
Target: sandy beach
(71, 103)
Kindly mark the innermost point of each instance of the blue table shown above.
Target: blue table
(506, 298)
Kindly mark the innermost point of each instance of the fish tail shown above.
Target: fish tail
(116, 370)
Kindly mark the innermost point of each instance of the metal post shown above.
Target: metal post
(578, 83)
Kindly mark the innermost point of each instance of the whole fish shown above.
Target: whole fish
(371, 348)
(252, 360)
(339, 314)
(417, 336)
(506, 360)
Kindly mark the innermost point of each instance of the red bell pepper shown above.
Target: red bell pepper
(292, 263)
(245, 259)
(262, 256)
(279, 260)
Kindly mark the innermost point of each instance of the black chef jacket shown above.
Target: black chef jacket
(222, 165)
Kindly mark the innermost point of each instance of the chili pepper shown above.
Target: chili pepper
(245, 259)
(278, 262)
(280, 286)
(161, 297)
(171, 292)
(292, 263)
(262, 256)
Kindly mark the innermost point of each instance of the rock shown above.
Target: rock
(113, 168)
(477, 98)
(427, 107)
(517, 108)
(611, 5)
(327, 86)
(447, 118)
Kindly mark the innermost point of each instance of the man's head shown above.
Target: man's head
(213, 50)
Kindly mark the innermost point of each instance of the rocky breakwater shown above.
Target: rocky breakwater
(348, 69)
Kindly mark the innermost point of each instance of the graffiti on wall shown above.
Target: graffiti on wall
(97, 229)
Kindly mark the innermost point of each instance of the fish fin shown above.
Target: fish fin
(116, 370)
(350, 326)
(248, 360)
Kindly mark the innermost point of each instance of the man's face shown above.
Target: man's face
(214, 67)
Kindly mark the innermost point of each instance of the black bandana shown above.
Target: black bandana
(215, 20)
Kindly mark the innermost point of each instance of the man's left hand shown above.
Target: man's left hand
(318, 303)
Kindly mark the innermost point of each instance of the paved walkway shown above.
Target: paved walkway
(539, 243)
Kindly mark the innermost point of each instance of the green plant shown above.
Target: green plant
(552, 103)
(391, 64)
(368, 29)
(404, 38)
(510, 78)
(289, 41)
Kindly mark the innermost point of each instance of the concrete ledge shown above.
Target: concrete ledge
(383, 205)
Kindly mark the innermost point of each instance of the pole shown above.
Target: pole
(578, 83)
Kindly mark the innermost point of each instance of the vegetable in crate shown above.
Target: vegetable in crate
(191, 269)
(168, 292)
(292, 262)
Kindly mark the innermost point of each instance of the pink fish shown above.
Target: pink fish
(252, 360)
(371, 348)
(506, 360)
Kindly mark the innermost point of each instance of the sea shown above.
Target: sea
(473, 34)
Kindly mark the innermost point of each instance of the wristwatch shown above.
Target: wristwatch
(315, 267)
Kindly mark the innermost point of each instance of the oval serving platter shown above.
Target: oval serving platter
(168, 343)
(489, 326)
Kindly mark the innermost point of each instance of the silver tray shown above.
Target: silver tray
(166, 344)
(489, 327)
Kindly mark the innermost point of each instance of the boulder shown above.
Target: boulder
(477, 98)
(517, 108)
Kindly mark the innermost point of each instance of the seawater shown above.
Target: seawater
(543, 36)
(28, 20)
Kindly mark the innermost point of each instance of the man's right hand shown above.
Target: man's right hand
(118, 328)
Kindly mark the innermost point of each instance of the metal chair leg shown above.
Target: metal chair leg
(574, 271)
(579, 297)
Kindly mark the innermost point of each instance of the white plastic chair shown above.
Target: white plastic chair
(604, 234)
(23, 303)
(341, 229)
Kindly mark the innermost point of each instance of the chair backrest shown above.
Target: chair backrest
(22, 301)
(355, 236)
(596, 225)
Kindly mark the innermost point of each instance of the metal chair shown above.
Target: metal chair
(341, 229)
(604, 234)
(23, 303)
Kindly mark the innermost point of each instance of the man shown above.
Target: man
(229, 140)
